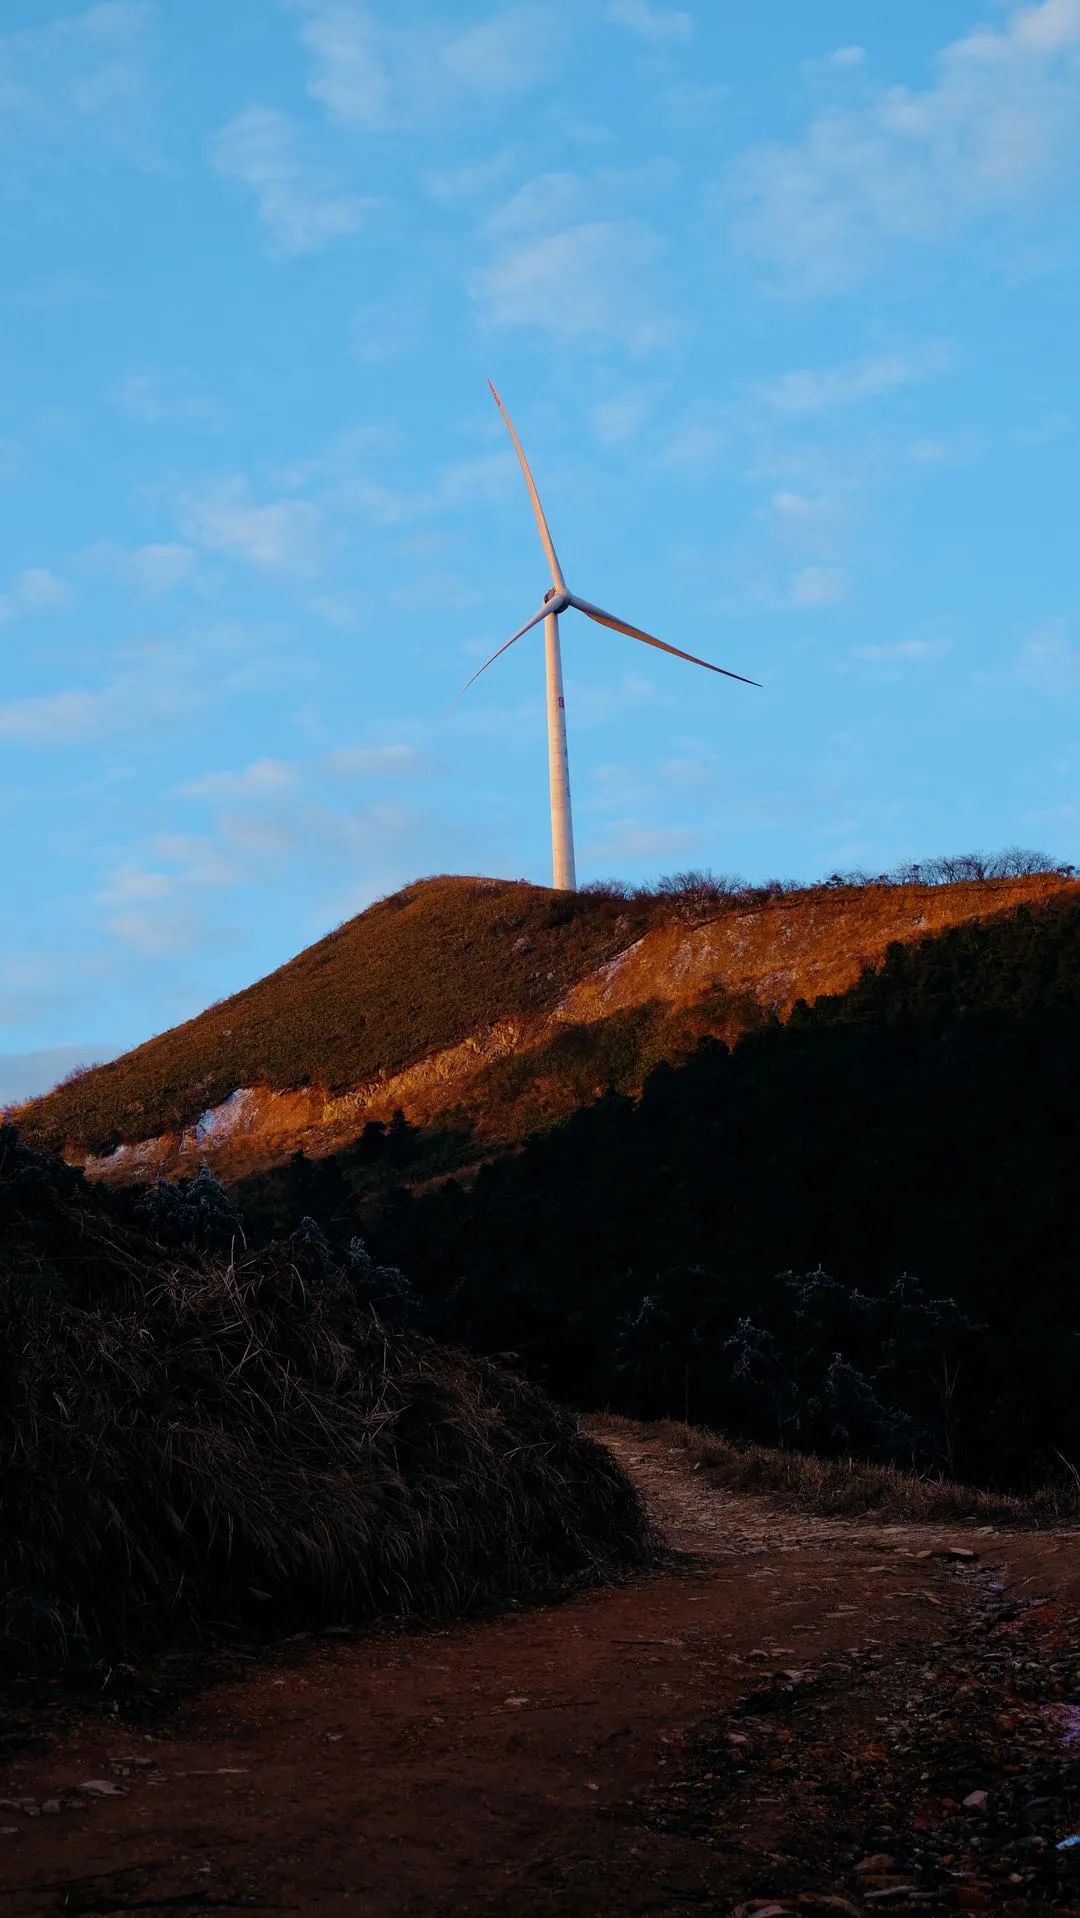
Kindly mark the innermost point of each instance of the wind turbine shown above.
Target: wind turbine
(557, 600)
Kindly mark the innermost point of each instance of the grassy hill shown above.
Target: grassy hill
(495, 1007)
(412, 975)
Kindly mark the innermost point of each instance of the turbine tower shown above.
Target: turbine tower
(557, 600)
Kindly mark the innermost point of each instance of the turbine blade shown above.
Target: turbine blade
(528, 626)
(635, 632)
(541, 523)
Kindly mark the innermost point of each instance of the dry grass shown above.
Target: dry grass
(413, 974)
(846, 1487)
(191, 1443)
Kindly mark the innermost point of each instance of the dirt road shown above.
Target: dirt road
(796, 1710)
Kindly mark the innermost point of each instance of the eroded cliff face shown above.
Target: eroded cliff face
(769, 955)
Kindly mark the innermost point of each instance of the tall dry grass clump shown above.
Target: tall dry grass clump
(195, 1441)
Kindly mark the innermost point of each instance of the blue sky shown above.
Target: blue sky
(784, 301)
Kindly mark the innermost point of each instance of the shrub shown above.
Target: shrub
(190, 1441)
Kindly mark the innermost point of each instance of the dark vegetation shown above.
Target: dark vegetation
(418, 972)
(735, 1246)
(198, 1437)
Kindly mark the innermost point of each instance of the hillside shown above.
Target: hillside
(740, 1240)
(489, 1006)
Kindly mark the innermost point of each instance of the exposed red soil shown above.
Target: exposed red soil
(634, 1750)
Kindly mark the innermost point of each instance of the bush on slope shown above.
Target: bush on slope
(194, 1440)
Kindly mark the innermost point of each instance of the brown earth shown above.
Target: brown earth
(710, 976)
(787, 1717)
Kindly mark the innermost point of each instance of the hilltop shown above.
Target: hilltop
(495, 1007)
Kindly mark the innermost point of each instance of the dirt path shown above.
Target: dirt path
(795, 1697)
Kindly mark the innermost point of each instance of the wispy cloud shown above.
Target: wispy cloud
(503, 56)
(35, 592)
(388, 329)
(256, 781)
(164, 897)
(810, 391)
(632, 839)
(993, 129)
(151, 571)
(902, 652)
(350, 76)
(378, 762)
(374, 75)
(619, 418)
(457, 487)
(155, 398)
(1049, 659)
(817, 586)
(283, 535)
(596, 280)
(658, 26)
(300, 206)
(56, 719)
(81, 83)
(151, 685)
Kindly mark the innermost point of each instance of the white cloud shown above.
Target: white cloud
(371, 762)
(811, 391)
(153, 686)
(995, 126)
(458, 487)
(452, 185)
(902, 652)
(505, 55)
(658, 25)
(54, 719)
(152, 570)
(283, 535)
(162, 399)
(166, 897)
(801, 515)
(373, 75)
(256, 781)
(695, 444)
(33, 593)
(597, 280)
(387, 329)
(300, 207)
(81, 83)
(630, 839)
(541, 205)
(593, 705)
(818, 586)
(349, 75)
(619, 418)
(1048, 658)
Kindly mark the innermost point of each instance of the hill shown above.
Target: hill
(487, 1007)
